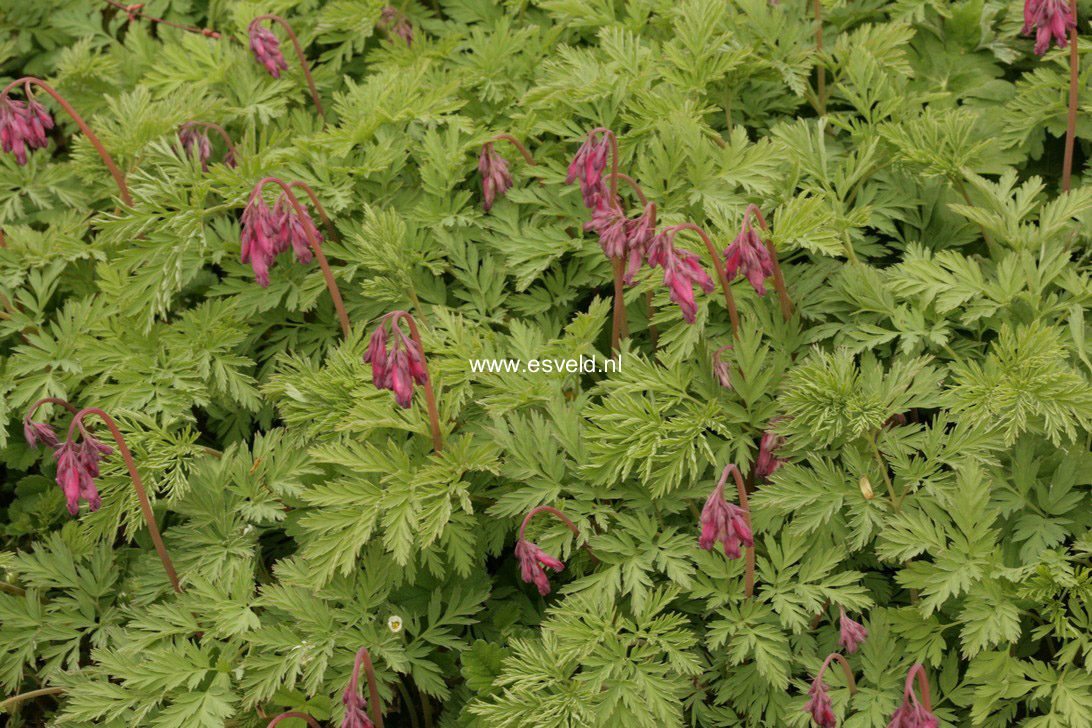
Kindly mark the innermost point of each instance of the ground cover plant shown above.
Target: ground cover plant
(822, 456)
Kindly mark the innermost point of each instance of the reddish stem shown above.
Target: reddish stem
(653, 331)
(119, 178)
(819, 617)
(564, 519)
(430, 396)
(134, 10)
(294, 714)
(331, 233)
(729, 300)
(50, 400)
(1071, 121)
(145, 506)
(299, 52)
(516, 143)
(216, 128)
(845, 668)
(363, 656)
(749, 577)
(923, 685)
(779, 279)
(636, 188)
(618, 324)
(331, 284)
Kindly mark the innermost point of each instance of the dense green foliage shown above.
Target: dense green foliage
(936, 270)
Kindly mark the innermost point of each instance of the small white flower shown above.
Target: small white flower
(248, 529)
(394, 623)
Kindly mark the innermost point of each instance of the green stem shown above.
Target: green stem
(883, 470)
(15, 700)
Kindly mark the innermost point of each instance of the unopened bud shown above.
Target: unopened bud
(866, 487)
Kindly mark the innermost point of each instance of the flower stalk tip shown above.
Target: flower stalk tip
(267, 51)
(819, 704)
(533, 560)
(355, 706)
(915, 713)
(851, 633)
(730, 524)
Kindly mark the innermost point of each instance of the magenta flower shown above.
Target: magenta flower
(1051, 19)
(356, 715)
(194, 138)
(682, 270)
(914, 713)
(77, 468)
(748, 255)
(261, 237)
(639, 234)
(587, 167)
(23, 125)
(395, 23)
(294, 229)
(852, 633)
(39, 432)
(532, 559)
(493, 169)
(267, 49)
(399, 367)
(721, 370)
(767, 462)
(820, 707)
(725, 522)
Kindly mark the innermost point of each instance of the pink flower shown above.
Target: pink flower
(494, 173)
(196, 138)
(23, 125)
(852, 633)
(639, 234)
(294, 229)
(725, 522)
(1051, 18)
(748, 255)
(768, 463)
(77, 468)
(681, 271)
(914, 713)
(587, 167)
(39, 432)
(267, 49)
(820, 707)
(532, 559)
(398, 368)
(720, 368)
(395, 23)
(260, 238)
(356, 715)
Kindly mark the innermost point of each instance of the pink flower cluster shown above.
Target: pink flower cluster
(587, 167)
(914, 713)
(721, 370)
(400, 366)
(493, 169)
(196, 139)
(819, 705)
(768, 463)
(682, 270)
(532, 559)
(356, 715)
(394, 22)
(267, 233)
(77, 462)
(23, 125)
(851, 634)
(725, 522)
(748, 255)
(267, 49)
(1051, 19)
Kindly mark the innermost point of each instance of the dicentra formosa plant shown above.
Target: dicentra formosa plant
(493, 169)
(533, 559)
(269, 232)
(756, 260)
(850, 633)
(914, 713)
(195, 140)
(78, 466)
(23, 125)
(401, 364)
(730, 524)
(819, 704)
(356, 707)
(267, 50)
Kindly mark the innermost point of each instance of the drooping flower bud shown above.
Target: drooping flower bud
(532, 559)
(749, 256)
(587, 167)
(196, 139)
(820, 707)
(682, 270)
(720, 368)
(768, 463)
(914, 713)
(267, 49)
(77, 468)
(725, 522)
(394, 22)
(259, 238)
(852, 634)
(39, 432)
(1052, 19)
(23, 126)
(294, 229)
(493, 169)
(398, 367)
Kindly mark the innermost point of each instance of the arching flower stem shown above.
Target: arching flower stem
(15, 700)
(729, 300)
(563, 518)
(294, 714)
(1071, 120)
(299, 53)
(330, 230)
(779, 279)
(837, 656)
(519, 147)
(331, 284)
(133, 11)
(119, 178)
(618, 265)
(142, 496)
(216, 128)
